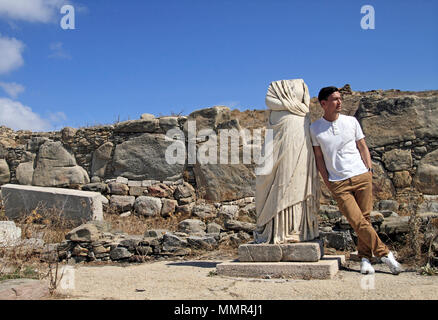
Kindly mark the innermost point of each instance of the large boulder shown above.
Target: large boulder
(10, 234)
(143, 157)
(24, 173)
(383, 187)
(224, 182)
(397, 160)
(209, 118)
(426, 178)
(101, 159)
(56, 167)
(5, 174)
(390, 120)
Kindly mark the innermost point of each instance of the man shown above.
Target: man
(344, 162)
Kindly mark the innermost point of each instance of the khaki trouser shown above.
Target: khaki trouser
(355, 201)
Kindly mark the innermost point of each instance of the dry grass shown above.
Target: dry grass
(135, 224)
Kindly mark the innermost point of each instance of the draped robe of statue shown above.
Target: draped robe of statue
(287, 199)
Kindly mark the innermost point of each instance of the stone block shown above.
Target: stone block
(301, 251)
(326, 268)
(73, 204)
(260, 253)
(10, 234)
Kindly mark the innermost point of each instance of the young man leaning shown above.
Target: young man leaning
(344, 162)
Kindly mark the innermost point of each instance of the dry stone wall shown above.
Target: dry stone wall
(401, 130)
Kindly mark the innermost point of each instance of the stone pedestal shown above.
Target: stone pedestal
(326, 268)
(310, 251)
(303, 260)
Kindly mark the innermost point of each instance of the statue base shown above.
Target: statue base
(310, 251)
(301, 260)
(325, 268)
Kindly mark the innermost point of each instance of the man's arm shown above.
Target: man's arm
(320, 164)
(364, 153)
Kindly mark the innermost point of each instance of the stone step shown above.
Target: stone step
(310, 251)
(326, 268)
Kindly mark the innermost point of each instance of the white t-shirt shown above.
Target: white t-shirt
(337, 140)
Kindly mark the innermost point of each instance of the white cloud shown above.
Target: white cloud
(17, 116)
(10, 54)
(57, 117)
(12, 89)
(58, 51)
(31, 10)
(229, 104)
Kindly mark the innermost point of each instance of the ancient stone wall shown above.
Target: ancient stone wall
(401, 130)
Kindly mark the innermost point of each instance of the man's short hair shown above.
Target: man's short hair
(324, 93)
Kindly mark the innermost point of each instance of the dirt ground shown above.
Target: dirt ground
(181, 279)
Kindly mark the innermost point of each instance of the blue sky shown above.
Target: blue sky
(125, 58)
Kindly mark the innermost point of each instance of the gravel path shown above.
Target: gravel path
(195, 279)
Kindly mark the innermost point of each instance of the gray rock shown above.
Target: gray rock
(228, 212)
(143, 157)
(10, 234)
(430, 204)
(147, 116)
(101, 159)
(388, 213)
(185, 209)
(339, 240)
(155, 233)
(390, 205)
(387, 121)
(224, 182)
(184, 191)
(426, 178)
(119, 253)
(131, 242)
(192, 226)
(56, 167)
(121, 203)
(205, 242)
(209, 118)
(122, 180)
(147, 206)
(239, 226)
(118, 188)
(168, 207)
(394, 225)
(24, 173)
(95, 179)
(34, 143)
(171, 242)
(137, 126)
(167, 123)
(84, 233)
(204, 211)
(96, 187)
(214, 228)
(397, 160)
(5, 174)
(138, 191)
(332, 212)
(383, 187)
